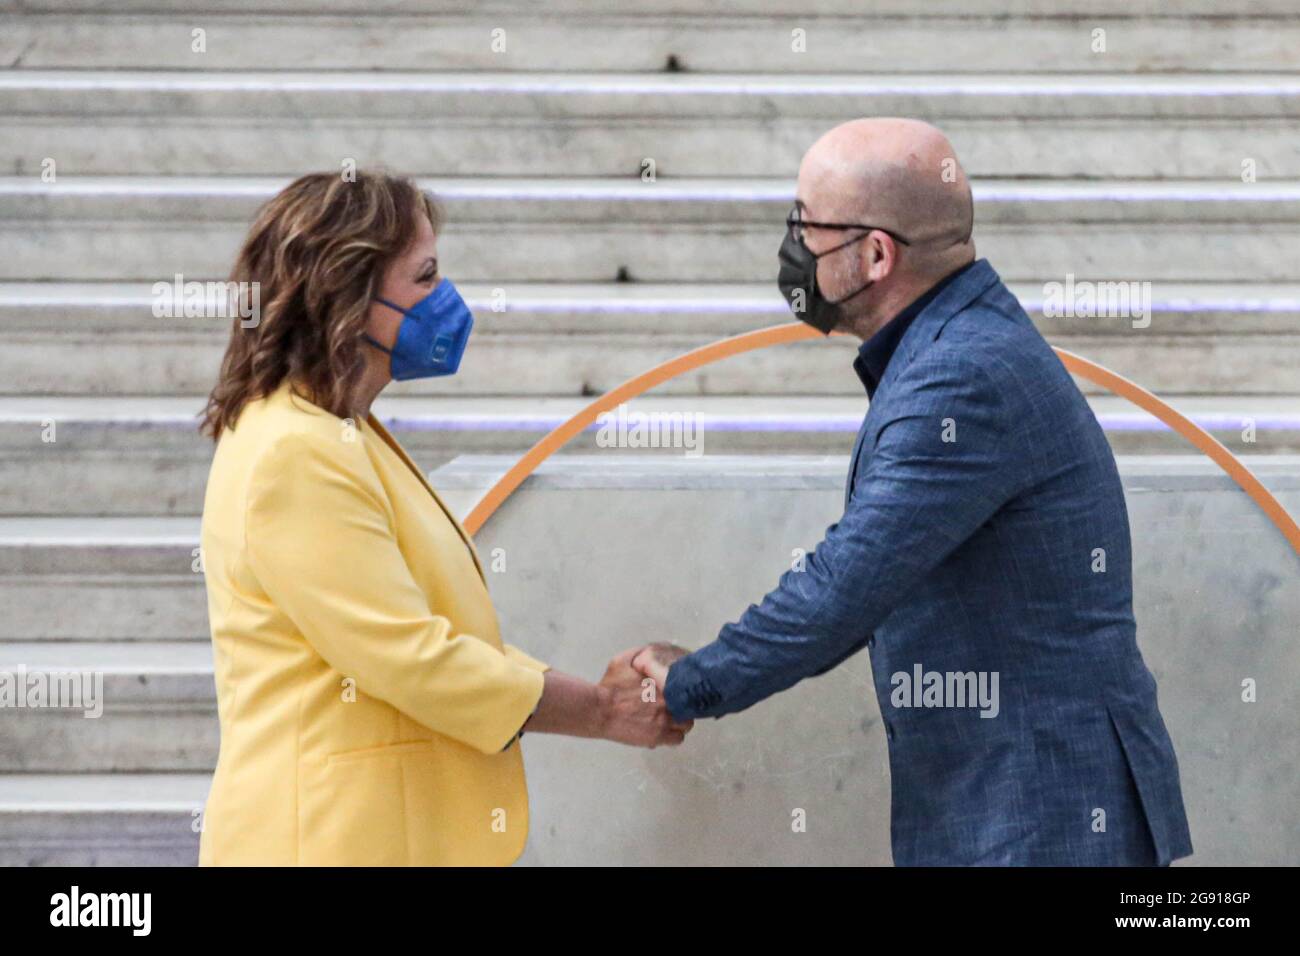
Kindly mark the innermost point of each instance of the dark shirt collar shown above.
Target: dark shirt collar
(875, 353)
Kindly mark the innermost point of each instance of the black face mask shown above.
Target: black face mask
(798, 275)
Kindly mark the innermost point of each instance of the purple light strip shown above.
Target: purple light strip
(593, 85)
(540, 424)
(680, 306)
(1111, 421)
(634, 307)
(1140, 192)
(1184, 304)
(668, 192)
(776, 306)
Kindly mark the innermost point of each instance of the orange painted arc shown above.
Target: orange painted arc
(797, 331)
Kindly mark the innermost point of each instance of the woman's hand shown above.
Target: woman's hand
(626, 707)
(634, 708)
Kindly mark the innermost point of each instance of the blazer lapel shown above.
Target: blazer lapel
(964, 290)
(857, 455)
(382, 432)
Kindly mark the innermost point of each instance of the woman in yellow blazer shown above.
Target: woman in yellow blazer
(370, 713)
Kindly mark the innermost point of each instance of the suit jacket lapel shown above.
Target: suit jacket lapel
(964, 290)
(382, 432)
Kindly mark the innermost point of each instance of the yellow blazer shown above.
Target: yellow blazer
(367, 703)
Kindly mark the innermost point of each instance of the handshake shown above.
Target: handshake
(633, 709)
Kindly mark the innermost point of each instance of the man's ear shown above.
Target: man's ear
(875, 255)
(882, 256)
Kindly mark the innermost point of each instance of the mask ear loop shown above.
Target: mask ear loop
(365, 336)
(827, 252)
(845, 243)
(850, 242)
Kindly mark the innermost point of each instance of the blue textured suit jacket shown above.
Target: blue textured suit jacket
(984, 537)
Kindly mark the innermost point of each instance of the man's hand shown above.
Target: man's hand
(634, 713)
(654, 660)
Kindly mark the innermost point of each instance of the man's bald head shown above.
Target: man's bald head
(899, 175)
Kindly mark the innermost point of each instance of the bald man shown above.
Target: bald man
(983, 558)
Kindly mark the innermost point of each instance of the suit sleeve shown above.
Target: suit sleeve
(939, 470)
(319, 539)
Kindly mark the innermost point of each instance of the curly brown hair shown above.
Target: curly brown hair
(317, 252)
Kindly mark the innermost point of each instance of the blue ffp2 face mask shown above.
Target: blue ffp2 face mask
(432, 336)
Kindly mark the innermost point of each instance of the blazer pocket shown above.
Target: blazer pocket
(382, 750)
(353, 805)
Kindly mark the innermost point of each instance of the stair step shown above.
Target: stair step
(162, 659)
(719, 231)
(1121, 9)
(553, 308)
(101, 579)
(120, 706)
(103, 339)
(841, 39)
(670, 200)
(584, 230)
(144, 456)
(101, 819)
(598, 124)
(578, 94)
(67, 362)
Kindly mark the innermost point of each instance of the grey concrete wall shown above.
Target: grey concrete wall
(604, 553)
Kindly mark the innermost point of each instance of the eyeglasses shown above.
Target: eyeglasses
(795, 222)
